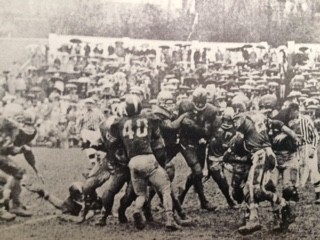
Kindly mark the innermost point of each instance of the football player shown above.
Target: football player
(217, 147)
(22, 132)
(196, 129)
(169, 129)
(256, 141)
(137, 132)
(284, 144)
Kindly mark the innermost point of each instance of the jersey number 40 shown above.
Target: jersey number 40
(136, 128)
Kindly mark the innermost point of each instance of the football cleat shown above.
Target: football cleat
(102, 221)
(139, 221)
(288, 217)
(19, 211)
(250, 227)
(185, 222)
(208, 206)
(6, 216)
(122, 216)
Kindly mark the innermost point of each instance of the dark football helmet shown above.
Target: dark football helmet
(133, 105)
(199, 99)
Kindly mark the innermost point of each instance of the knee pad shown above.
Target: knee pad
(290, 194)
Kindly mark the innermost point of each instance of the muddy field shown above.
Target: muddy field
(61, 167)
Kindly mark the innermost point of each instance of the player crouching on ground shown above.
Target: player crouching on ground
(137, 132)
(72, 207)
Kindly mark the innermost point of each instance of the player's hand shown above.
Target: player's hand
(279, 138)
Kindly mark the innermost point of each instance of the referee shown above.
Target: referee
(308, 154)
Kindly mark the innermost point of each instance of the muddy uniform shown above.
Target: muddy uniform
(196, 130)
(14, 140)
(168, 152)
(287, 162)
(137, 133)
(116, 163)
(218, 144)
(8, 132)
(168, 133)
(256, 141)
(240, 159)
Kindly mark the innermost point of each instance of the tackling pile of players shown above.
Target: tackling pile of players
(140, 144)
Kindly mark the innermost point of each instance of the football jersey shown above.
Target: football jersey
(25, 136)
(198, 125)
(109, 146)
(168, 133)
(253, 127)
(137, 133)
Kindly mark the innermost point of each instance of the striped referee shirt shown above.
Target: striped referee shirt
(308, 133)
(90, 120)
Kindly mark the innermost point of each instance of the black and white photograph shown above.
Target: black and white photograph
(159, 119)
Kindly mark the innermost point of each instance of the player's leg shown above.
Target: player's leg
(191, 155)
(160, 181)
(126, 202)
(314, 173)
(257, 189)
(216, 172)
(9, 167)
(140, 169)
(114, 185)
(238, 180)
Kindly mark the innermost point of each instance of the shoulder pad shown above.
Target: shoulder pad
(185, 106)
(151, 116)
(210, 109)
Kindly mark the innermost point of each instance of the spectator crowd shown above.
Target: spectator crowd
(58, 89)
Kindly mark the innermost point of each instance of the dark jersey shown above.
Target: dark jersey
(274, 129)
(197, 125)
(219, 143)
(137, 133)
(71, 207)
(25, 136)
(115, 150)
(167, 132)
(253, 127)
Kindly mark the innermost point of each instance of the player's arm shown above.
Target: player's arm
(192, 126)
(174, 125)
(30, 158)
(54, 201)
(277, 124)
(42, 193)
